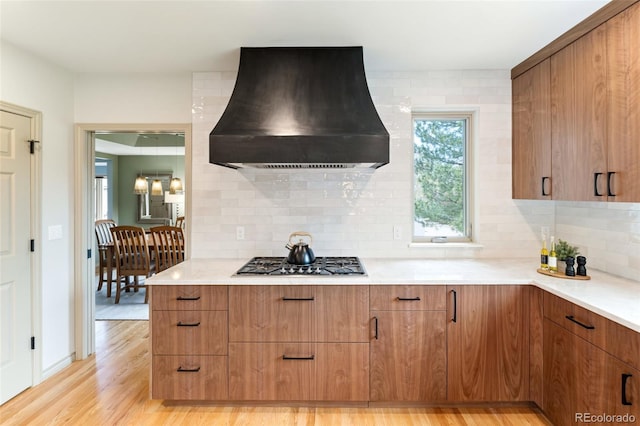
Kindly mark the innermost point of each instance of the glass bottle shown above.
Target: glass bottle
(553, 259)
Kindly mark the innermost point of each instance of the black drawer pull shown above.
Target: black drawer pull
(407, 298)
(609, 193)
(544, 179)
(188, 324)
(455, 306)
(188, 298)
(595, 185)
(287, 299)
(624, 389)
(188, 370)
(376, 320)
(572, 319)
(304, 358)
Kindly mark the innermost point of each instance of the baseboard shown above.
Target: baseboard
(58, 366)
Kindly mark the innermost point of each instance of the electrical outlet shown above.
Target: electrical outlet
(239, 232)
(397, 232)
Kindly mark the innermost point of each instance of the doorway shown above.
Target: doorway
(86, 147)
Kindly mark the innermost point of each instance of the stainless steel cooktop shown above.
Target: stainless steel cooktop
(321, 266)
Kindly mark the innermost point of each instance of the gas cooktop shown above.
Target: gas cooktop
(321, 266)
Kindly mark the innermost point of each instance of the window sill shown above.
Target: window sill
(428, 245)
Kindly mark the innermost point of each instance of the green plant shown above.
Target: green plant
(564, 250)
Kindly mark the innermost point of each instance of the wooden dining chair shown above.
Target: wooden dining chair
(106, 257)
(168, 246)
(132, 258)
(180, 222)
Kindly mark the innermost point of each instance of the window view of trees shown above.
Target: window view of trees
(439, 176)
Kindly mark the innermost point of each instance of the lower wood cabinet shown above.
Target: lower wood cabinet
(409, 356)
(198, 378)
(299, 371)
(488, 343)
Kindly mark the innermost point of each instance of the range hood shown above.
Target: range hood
(300, 107)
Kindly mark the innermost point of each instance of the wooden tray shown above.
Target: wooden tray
(560, 274)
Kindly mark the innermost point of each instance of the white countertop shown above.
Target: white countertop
(615, 298)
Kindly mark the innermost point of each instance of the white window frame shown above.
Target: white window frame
(469, 117)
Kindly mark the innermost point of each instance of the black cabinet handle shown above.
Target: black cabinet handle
(595, 185)
(572, 319)
(544, 180)
(455, 306)
(286, 299)
(188, 370)
(188, 324)
(624, 389)
(188, 298)
(304, 358)
(609, 193)
(407, 298)
(376, 321)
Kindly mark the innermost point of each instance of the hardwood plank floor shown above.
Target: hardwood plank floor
(112, 388)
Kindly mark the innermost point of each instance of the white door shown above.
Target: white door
(15, 256)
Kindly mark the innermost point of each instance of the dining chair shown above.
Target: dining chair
(132, 258)
(106, 257)
(180, 222)
(168, 246)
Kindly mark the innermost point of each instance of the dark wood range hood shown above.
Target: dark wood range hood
(300, 107)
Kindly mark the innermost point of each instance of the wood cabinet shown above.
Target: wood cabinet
(531, 132)
(189, 342)
(488, 343)
(593, 114)
(582, 379)
(297, 343)
(408, 346)
(623, 100)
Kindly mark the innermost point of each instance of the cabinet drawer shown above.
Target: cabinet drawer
(189, 377)
(189, 332)
(408, 298)
(576, 319)
(272, 313)
(271, 371)
(189, 297)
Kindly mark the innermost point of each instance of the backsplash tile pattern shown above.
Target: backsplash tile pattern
(354, 212)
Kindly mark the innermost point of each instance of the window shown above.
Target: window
(441, 177)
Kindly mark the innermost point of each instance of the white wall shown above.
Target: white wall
(33, 83)
(132, 98)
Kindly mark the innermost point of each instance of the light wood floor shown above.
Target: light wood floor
(111, 388)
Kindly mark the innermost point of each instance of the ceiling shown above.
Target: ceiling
(205, 35)
(130, 143)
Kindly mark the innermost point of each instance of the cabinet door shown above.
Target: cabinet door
(623, 75)
(560, 374)
(271, 371)
(488, 343)
(531, 143)
(342, 313)
(578, 119)
(271, 313)
(342, 372)
(408, 356)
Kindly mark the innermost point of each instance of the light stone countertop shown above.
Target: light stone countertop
(615, 298)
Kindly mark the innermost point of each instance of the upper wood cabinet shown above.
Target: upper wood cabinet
(593, 116)
(623, 120)
(488, 343)
(531, 150)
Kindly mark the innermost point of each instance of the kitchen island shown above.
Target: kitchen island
(417, 332)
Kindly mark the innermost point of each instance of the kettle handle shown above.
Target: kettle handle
(300, 234)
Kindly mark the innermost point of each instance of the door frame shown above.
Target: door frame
(35, 118)
(84, 269)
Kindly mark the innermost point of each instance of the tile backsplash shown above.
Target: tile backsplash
(355, 212)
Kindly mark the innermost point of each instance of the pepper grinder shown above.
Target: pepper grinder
(581, 270)
(570, 271)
